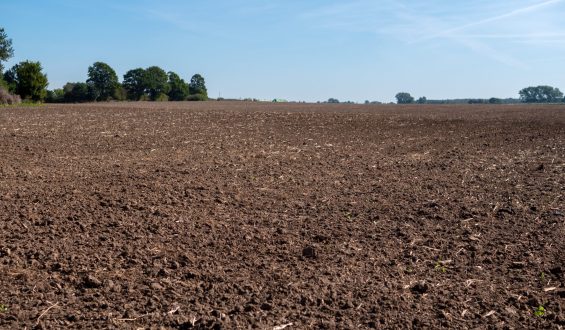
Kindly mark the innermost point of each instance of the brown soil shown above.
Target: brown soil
(238, 215)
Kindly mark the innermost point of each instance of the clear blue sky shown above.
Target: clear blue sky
(302, 50)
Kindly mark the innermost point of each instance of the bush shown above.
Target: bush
(7, 98)
(162, 98)
(55, 96)
(197, 97)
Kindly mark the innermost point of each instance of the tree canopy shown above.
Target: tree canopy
(197, 86)
(27, 80)
(104, 81)
(134, 83)
(404, 98)
(156, 82)
(178, 88)
(541, 94)
(6, 50)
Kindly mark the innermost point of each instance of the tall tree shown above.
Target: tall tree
(156, 82)
(178, 88)
(28, 80)
(404, 98)
(6, 50)
(197, 86)
(135, 84)
(540, 94)
(104, 80)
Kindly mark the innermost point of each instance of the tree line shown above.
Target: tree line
(27, 81)
(537, 94)
(150, 84)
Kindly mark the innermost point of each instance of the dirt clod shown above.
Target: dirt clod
(309, 252)
(91, 282)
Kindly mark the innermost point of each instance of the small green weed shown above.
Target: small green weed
(3, 308)
(440, 267)
(539, 311)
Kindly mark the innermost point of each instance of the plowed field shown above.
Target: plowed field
(282, 216)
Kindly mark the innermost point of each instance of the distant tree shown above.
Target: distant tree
(68, 87)
(404, 98)
(104, 80)
(540, 94)
(422, 100)
(197, 86)
(178, 88)
(156, 83)
(27, 80)
(135, 84)
(79, 92)
(10, 79)
(332, 100)
(55, 96)
(6, 50)
(494, 100)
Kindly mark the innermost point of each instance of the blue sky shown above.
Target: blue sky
(303, 50)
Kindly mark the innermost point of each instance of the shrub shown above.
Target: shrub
(197, 97)
(162, 98)
(7, 98)
(55, 96)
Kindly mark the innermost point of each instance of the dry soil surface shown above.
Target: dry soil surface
(271, 216)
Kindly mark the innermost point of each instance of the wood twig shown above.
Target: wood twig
(45, 312)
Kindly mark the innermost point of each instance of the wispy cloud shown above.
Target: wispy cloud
(463, 24)
(512, 13)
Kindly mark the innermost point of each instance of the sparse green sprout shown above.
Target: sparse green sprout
(539, 311)
(440, 267)
(3, 308)
(542, 276)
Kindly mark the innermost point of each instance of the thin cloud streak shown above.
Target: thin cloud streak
(512, 13)
(415, 23)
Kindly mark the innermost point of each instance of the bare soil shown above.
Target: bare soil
(241, 215)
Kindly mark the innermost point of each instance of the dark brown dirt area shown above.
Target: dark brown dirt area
(241, 215)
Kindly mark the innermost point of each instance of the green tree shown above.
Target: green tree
(10, 79)
(104, 80)
(332, 100)
(197, 86)
(135, 84)
(27, 80)
(422, 100)
(156, 83)
(178, 88)
(540, 94)
(79, 92)
(6, 50)
(404, 98)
